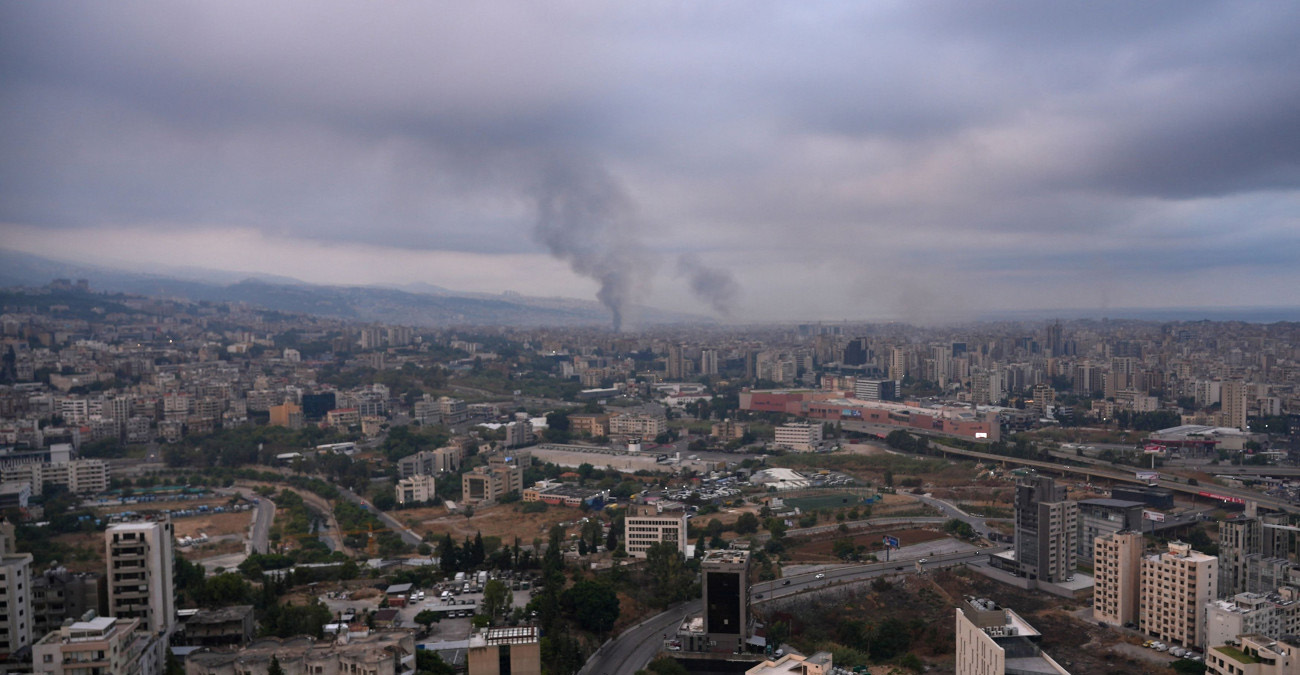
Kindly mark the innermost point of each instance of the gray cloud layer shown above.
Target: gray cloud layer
(830, 158)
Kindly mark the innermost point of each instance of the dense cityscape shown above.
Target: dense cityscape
(204, 486)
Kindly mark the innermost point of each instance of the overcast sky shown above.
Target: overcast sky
(793, 160)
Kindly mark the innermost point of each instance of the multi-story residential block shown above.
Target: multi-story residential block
(431, 462)
(286, 414)
(416, 489)
(231, 625)
(101, 646)
(993, 641)
(1234, 397)
(140, 574)
(1176, 588)
(729, 430)
(645, 526)
(1117, 571)
(15, 594)
(59, 594)
(590, 424)
(1247, 542)
(1046, 531)
(800, 437)
(518, 433)
(1256, 655)
(453, 410)
(643, 425)
(487, 484)
(1271, 615)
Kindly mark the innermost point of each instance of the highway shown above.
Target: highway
(1126, 476)
(636, 646)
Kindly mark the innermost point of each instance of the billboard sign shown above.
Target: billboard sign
(1149, 476)
(891, 542)
(1222, 498)
(1153, 448)
(1155, 516)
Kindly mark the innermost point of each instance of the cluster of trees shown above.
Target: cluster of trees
(1147, 421)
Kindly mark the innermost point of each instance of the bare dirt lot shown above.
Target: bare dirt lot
(506, 521)
(211, 549)
(214, 525)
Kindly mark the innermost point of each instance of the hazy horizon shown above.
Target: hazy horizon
(751, 162)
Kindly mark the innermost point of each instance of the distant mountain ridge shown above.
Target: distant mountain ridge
(417, 304)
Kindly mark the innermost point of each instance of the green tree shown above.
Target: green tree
(593, 605)
(275, 668)
(496, 599)
(747, 523)
(428, 617)
(669, 578)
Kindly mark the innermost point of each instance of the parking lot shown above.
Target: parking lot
(457, 610)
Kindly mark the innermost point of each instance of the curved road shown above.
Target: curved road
(636, 646)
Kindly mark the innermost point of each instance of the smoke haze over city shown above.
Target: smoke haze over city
(745, 161)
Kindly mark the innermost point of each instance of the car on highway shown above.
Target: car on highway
(785, 583)
(758, 596)
(922, 560)
(820, 576)
(898, 568)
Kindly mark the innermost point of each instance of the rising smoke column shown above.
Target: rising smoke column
(715, 286)
(585, 219)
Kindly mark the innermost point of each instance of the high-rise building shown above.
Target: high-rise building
(726, 599)
(709, 362)
(676, 363)
(875, 390)
(1117, 570)
(1246, 543)
(1269, 614)
(140, 577)
(1046, 531)
(15, 594)
(1176, 588)
(1233, 397)
(996, 641)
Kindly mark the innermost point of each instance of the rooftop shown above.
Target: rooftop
(516, 635)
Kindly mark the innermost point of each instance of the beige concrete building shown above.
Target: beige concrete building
(638, 424)
(1176, 588)
(1117, 572)
(82, 476)
(446, 459)
(799, 436)
(1233, 399)
(589, 424)
(101, 646)
(487, 484)
(505, 651)
(645, 526)
(997, 642)
(140, 577)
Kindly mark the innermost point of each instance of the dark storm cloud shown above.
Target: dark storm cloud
(973, 136)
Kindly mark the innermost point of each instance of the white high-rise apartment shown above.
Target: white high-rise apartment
(1176, 588)
(15, 594)
(140, 577)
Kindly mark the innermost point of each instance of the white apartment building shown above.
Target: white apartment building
(1176, 588)
(1270, 615)
(415, 489)
(1117, 570)
(645, 526)
(15, 594)
(799, 436)
(140, 576)
(82, 476)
